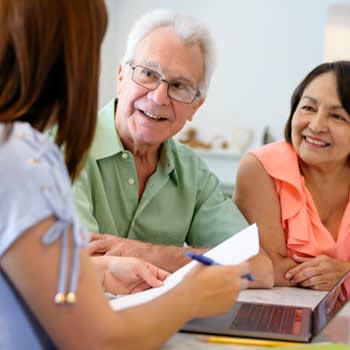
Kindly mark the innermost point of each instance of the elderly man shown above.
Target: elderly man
(150, 193)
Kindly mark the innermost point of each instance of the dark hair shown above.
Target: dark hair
(49, 68)
(341, 70)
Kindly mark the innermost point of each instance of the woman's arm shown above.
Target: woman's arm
(256, 197)
(262, 269)
(90, 323)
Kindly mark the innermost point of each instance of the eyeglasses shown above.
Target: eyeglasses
(150, 79)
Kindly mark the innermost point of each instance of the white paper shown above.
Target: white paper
(234, 250)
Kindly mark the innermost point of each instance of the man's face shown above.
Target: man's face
(149, 116)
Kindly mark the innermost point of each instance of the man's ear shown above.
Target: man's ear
(120, 73)
(195, 107)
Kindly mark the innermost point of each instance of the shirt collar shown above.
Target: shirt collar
(108, 142)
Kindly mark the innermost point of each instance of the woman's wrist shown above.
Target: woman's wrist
(101, 266)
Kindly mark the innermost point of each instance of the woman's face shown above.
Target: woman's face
(320, 125)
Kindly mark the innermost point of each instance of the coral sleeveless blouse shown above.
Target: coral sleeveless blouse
(305, 233)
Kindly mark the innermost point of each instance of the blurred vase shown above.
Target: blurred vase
(241, 138)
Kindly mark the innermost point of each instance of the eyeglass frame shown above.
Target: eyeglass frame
(160, 79)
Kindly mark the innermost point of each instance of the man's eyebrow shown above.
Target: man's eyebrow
(152, 65)
(184, 79)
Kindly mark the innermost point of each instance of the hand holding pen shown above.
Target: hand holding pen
(214, 289)
(205, 260)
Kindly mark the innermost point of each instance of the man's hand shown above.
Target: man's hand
(169, 258)
(102, 244)
(319, 273)
(106, 244)
(129, 275)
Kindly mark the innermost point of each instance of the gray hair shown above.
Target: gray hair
(189, 30)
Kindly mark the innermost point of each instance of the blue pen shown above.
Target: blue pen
(205, 260)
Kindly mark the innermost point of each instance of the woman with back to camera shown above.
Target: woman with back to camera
(297, 190)
(51, 294)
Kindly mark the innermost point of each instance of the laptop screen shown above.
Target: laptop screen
(327, 307)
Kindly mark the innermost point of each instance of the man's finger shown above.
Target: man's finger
(150, 277)
(97, 246)
(95, 235)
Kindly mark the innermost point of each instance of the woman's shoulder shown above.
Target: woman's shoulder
(19, 141)
(18, 130)
(34, 181)
(23, 149)
(277, 149)
(279, 161)
(28, 156)
(277, 157)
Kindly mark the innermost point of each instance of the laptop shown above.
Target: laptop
(271, 321)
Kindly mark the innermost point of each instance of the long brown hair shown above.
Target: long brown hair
(49, 68)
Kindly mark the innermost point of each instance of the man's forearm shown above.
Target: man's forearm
(169, 258)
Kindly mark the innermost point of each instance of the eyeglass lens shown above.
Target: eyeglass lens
(150, 79)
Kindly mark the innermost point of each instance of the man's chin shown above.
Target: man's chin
(147, 140)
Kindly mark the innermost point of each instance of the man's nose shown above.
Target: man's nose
(160, 94)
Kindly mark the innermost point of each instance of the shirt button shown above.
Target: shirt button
(21, 135)
(33, 161)
(131, 181)
(124, 155)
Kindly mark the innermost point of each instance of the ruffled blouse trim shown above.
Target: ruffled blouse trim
(281, 163)
(307, 236)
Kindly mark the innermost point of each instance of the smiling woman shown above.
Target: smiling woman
(321, 126)
(305, 180)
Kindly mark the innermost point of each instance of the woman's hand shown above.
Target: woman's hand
(122, 275)
(214, 288)
(319, 273)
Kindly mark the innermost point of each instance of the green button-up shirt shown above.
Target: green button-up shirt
(182, 201)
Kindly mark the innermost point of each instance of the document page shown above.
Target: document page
(234, 250)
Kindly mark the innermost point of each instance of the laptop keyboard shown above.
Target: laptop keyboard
(265, 318)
